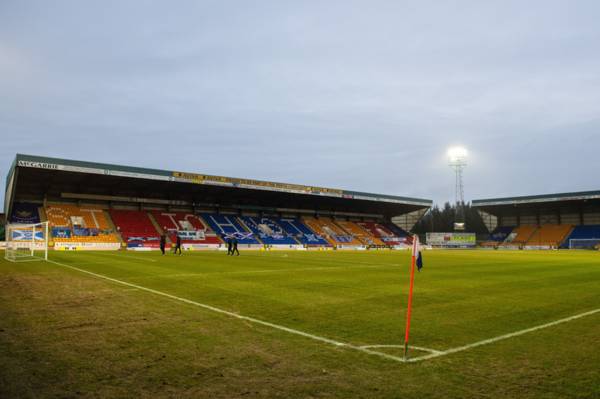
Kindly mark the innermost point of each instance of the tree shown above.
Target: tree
(442, 220)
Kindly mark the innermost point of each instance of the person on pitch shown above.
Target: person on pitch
(229, 246)
(235, 247)
(163, 243)
(178, 245)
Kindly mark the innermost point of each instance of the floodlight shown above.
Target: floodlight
(457, 158)
(457, 155)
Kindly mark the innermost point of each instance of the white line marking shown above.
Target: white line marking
(503, 337)
(419, 348)
(237, 316)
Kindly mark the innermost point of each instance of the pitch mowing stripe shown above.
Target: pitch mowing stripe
(125, 256)
(237, 316)
(503, 337)
(300, 269)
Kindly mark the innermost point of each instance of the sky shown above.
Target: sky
(359, 95)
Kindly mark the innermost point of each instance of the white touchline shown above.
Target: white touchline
(503, 337)
(237, 316)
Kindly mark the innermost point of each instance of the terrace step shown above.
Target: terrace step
(158, 228)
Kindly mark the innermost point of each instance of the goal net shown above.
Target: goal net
(26, 242)
(584, 243)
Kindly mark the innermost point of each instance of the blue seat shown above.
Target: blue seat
(268, 230)
(500, 233)
(590, 233)
(301, 232)
(227, 226)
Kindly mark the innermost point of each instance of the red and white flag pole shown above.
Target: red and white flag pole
(415, 252)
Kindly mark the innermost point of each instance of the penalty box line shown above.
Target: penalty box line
(503, 337)
(237, 316)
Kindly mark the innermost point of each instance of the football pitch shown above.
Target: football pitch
(301, 324)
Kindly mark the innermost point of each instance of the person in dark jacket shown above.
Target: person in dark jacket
(178, 245)
(229, 244)
(163, 243)
(235, 247)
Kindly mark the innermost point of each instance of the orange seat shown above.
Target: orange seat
(65, 215)
(550, 234)
(333, 233)
(361, 234)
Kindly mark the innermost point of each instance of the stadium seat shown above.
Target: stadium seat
(550, 234)
(172, 222)
(325, 227)
(301, 232)
(135, 227)
(385, 233)
(363, 235)
(70, 223)
(268, 230)
(228, 226)
(497, 236)
(583, 237)
(520, 235)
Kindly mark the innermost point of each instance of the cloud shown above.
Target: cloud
(344, 94)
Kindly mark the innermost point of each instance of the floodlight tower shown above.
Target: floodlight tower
(457, 159)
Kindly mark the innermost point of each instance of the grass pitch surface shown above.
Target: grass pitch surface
(67, 333)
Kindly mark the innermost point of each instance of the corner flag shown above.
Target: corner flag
(417, 250)
(416, 260)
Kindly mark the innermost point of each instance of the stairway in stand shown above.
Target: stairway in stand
(158, 228)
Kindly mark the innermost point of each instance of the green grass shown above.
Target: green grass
(66, 333)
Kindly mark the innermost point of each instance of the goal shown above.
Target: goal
(26, 242)
(583, 243)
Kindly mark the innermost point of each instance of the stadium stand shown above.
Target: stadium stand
(172, 222)
(363, 235)
(268, 230)
(136, 192)
(301, 232)
(583, 237)
(136, 228)
(550, 234)
(24, 213)
(325, 227)
(227, 226)
(70, 223)
(385, 234)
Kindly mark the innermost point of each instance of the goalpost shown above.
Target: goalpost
(583, 243)
(26, 242)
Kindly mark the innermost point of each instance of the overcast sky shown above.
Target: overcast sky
(360, 95)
